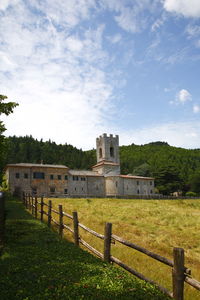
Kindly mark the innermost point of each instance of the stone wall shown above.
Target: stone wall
(54, 182)
(96, 186)
(119, 186)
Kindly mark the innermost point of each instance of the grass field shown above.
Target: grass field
(37, 265)
(158, 225)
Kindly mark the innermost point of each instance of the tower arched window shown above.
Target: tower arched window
(100, 152)
(111, 151)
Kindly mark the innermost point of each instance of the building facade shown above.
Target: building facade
(103, 180)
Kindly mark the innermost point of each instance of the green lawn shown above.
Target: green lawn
(36, 264)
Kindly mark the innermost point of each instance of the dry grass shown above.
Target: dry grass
(158, 225)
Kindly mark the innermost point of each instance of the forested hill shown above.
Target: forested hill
(29, 150)
(173, 168)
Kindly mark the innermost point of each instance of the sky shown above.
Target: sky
(81, 68)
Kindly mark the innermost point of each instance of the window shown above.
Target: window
(138, 191)
(38, 175)
(111, 151)
(151, 183)
(116, 183)
(97, 187)
(52, 189)
(138, 183)
(51, 176)
(83, 178)
(82, 189)
(100, 152)
(75, 178)
(65, 191)
(59, 177)
(127, 187)
(75, 188)
(17, 175)
(66, 177)
(25, 175)
(151, 192)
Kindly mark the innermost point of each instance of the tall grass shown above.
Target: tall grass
(158, 225)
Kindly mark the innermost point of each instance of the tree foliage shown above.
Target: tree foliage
(171, 167)
(6, 108)
(29, 150)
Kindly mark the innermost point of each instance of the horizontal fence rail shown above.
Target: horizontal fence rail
(180, 273)
(143, 250)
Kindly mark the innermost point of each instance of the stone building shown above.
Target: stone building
(103, 180)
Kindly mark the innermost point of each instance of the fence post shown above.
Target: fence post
(76, 233)
(29, 201)
(49, 213)
(107, 241)
(42, 209)
(23, 198)
(36, 206)
(2, 218)
(60, 220)
(178, 275)
(26, 201)
(32, 208)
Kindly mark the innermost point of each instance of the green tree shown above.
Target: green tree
(142, 170)
(168, 180)
(195, 182)
(6, 108)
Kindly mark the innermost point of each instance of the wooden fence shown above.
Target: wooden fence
(180, 274)
(2, 219)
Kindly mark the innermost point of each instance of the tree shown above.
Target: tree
(142, 170)
(6, 108)
(168, 180)
(194, 181)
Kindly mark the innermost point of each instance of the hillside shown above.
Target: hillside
(173, 168)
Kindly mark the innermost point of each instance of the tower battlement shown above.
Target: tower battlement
(107, 147)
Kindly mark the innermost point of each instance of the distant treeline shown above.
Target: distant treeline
(29, 150)
(174, 169)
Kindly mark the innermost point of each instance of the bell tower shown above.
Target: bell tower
(107, 148)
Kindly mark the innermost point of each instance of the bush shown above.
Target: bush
(191, 194)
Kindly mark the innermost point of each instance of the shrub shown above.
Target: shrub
(191, 194)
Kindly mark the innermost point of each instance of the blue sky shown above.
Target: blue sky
(79, 68)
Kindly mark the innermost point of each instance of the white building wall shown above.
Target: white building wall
(96, 186)
(119, 186)
(78, 187)
(138, 186)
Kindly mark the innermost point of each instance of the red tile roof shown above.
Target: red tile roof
(104, 162)
(28, 165)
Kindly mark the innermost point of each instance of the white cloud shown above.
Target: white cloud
(179, 134)
(5, 3)
(187, 8)
(196, 108)
(55, 75)
(115, 38)
(193, 30)
(129, 15)
(158, 22)
(183, 96)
